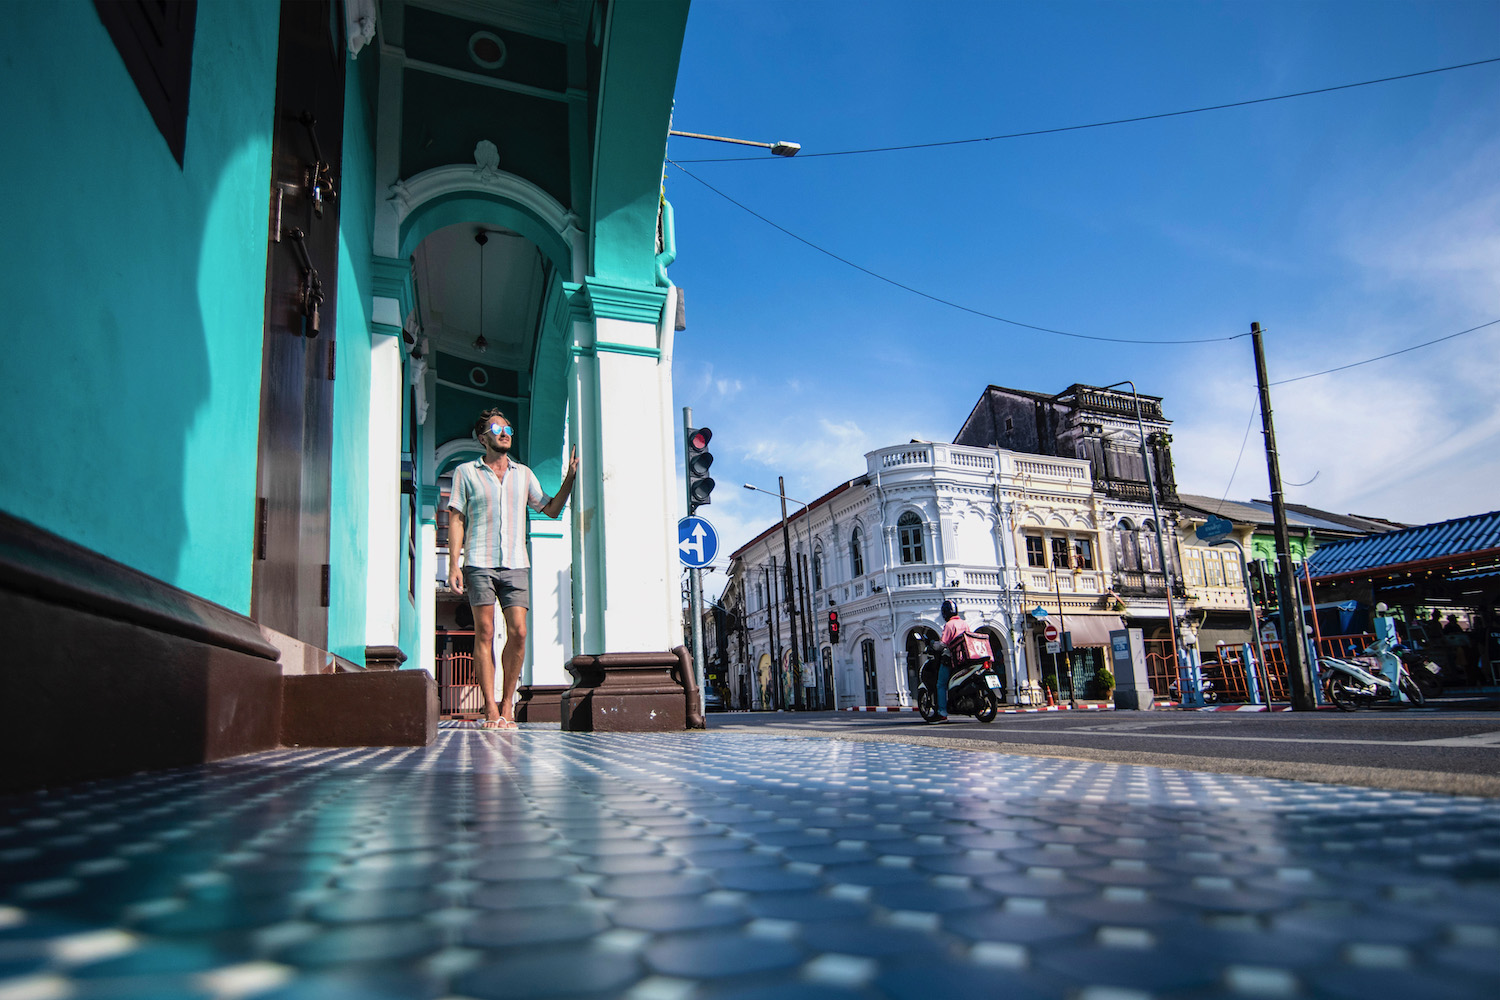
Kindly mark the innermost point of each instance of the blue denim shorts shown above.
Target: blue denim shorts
(485, 585)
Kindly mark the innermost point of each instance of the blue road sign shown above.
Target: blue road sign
(697, 542)
(1214, 527)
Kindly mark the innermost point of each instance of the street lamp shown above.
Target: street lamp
(782, 148)
(1161, 550)
(786, 545)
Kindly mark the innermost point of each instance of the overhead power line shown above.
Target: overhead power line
(938, 298)
(1382, 357)
(1104, 124)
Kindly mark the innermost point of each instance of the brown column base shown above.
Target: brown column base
(384, 657)
(631, 693)
(540, 702)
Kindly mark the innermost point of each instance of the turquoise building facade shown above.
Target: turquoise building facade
(147, 331)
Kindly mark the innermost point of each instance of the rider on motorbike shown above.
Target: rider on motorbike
(954, 629)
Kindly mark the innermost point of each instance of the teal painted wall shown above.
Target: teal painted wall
(349, 510)
(134, 291)
(640, 74)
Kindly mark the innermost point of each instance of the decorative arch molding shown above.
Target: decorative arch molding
(463, 193)
(1058, 520)
(451, 453)
(1032, 520)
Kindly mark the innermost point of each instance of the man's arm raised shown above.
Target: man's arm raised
(555, 506)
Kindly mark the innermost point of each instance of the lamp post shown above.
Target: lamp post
(790, 590)
(782, 148)
(1161, 549)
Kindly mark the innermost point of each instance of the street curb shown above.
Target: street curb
(1003, 711)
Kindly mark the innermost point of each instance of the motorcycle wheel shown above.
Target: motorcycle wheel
(1341, 693)
(1412, 692)
(1430, 685)
(989, 707)
(926, 706)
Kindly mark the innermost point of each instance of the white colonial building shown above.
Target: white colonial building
(1000, 533)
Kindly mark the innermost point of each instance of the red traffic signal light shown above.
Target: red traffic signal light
(698, 460)
(833, 626)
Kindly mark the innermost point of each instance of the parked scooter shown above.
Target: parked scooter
(1423, 670)
(973, 687)
(1351, 684)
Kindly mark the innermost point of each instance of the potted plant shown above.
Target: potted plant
(1106, 679)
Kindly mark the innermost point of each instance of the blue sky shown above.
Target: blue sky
(1348, 224)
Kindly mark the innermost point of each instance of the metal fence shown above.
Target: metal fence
(458, 684)
(1231, 683)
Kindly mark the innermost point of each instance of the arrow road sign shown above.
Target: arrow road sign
(697, 542)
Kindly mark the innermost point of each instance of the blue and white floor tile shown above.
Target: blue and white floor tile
(714, 865)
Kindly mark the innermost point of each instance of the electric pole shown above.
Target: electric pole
(1293, 639)
(790, 593)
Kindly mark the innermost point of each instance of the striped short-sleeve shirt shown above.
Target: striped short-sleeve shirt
(494, 513)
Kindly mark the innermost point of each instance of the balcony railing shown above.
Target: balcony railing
(1119, 405)
(1137, 584)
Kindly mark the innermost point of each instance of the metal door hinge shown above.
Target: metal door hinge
(260, 527)
(327, 583)
(332, 356)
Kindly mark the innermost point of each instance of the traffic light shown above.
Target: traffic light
(699, 484)
(1262, 587)
(833, 626)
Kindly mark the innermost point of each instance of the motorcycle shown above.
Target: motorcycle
(973, 686)
(1427, 674)
(1350, 684)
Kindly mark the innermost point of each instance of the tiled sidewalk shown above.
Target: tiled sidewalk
(656, 867)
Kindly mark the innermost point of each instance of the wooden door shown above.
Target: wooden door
(291, 577)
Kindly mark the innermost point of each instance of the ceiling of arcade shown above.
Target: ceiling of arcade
(495, 70)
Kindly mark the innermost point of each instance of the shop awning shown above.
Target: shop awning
(1092, 630)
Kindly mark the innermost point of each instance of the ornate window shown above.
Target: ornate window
(1083, 553)
(1036, 552)
(909, 529)
(1060, 551)
(856, 554)
(818, 570)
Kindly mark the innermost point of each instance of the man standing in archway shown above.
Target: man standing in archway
(487, 526)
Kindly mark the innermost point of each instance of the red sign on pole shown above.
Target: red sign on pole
(1050, 631)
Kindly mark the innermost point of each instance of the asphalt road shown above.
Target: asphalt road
(1420, 749)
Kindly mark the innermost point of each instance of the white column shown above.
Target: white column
(383, 588)
(637, 575)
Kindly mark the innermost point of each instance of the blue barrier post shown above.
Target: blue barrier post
(1248, 659)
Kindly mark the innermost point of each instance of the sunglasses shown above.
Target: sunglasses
(500, 430)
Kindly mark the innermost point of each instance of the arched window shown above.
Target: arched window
(818, 570)
(856, 554)
(909, 529)
(916, 655)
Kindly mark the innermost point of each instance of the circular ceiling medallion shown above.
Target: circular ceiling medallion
(479, 377)
(486, 49)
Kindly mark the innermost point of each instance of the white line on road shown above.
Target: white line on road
(1477, 740)
(1480, 740)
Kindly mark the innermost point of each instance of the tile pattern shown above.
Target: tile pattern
(727, 865)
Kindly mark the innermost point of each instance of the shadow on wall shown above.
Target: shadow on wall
(136, 291)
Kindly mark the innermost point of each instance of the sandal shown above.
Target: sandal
(500, 724)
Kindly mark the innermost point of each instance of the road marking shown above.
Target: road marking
(1482, 740)
(1477, 740)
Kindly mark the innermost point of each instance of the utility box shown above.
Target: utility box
(1127, 650)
